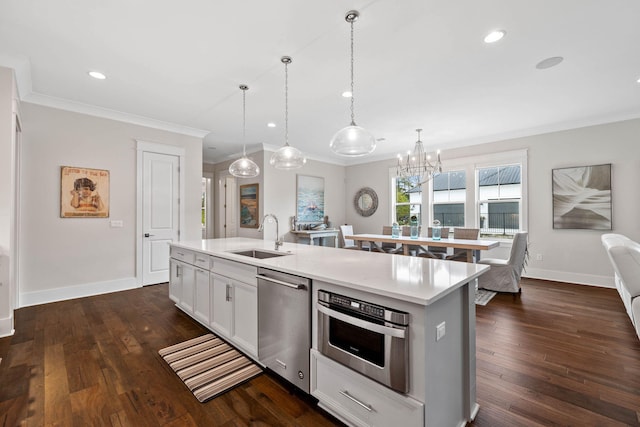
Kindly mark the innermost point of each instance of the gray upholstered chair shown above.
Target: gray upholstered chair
(464, 234)
(504, 275)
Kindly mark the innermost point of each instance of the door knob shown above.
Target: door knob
(148, 235)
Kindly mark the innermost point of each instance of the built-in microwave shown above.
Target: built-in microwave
(368, 338)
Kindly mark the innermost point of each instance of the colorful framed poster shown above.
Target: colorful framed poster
(249, 206)
(84, 192)
(310, 199)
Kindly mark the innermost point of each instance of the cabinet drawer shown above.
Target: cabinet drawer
(235, 270)
(203, 261)
(359, 400)
(184, 255)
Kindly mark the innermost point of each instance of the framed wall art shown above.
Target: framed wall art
(249, 206)
(582, 197)
(310, 199)
(84, 192)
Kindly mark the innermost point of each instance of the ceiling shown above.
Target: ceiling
(418, 64)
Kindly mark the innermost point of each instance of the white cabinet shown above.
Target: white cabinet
(358, 400)
(201, 296)
(221, 315)
(175, 281)
(181, 284)
(234, 303)
(182, 279)
(245, 316)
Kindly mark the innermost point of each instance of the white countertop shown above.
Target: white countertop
(413, 279)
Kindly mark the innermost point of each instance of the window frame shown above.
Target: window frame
(472, 203)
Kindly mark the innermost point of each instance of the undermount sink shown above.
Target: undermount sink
(259, 254)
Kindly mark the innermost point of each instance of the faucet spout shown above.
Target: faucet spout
(279, 242)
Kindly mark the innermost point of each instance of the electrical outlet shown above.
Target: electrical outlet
(538, 257)
(441, 330)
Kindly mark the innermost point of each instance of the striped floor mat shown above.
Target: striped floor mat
(483, 296)
(208, 366)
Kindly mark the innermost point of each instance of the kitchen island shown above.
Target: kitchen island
(437, 295)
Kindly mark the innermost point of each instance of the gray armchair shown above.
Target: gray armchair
(504, 275)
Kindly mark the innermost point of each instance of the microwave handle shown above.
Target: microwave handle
(374, 327)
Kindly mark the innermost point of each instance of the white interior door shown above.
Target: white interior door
(227, 225)
(231, 211)
(160, 213)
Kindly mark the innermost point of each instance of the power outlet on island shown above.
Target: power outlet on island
(440, 330)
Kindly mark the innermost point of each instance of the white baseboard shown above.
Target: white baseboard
(6, 326)
(78, 291)
(569, 277)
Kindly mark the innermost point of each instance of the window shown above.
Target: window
(449, 194)
(499, 200)
(407, 200)
(203, 204)
(487, 192)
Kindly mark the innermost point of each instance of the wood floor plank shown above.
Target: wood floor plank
(559, 354)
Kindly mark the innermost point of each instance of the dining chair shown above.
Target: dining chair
(437, 252)
(463, 234)
(504, 274)
(406, 232)
(389, 248)
(347, 230)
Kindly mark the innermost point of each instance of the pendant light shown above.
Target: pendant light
(352, 141)
(244, 167)
(287, 157)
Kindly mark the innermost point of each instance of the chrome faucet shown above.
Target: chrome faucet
(279, 242)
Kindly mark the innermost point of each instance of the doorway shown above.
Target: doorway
(227, 225)
(160, 214)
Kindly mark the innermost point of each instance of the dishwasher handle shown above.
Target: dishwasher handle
(280, 282)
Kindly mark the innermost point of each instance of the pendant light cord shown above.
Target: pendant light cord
(286, 102)
(353, 123)
(244, 123)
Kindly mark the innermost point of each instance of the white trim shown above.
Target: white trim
(78, 291)
(6, 326)
(569, 277)
(153, 147)
(92, 110)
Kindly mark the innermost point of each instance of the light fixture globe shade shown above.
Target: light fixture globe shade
(353, 141)
(287, 158)
(244, 168)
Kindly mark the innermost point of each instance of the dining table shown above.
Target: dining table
(470, 246)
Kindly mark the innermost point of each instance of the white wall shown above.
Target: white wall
(278, 193)
(70, 257)
(575, 256)
(7, 182)
(280, 189)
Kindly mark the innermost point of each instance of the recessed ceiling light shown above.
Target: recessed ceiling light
(549, 62)
(346, 94)
(271, 125)
(494, 36)
(638, 80)
(97, 75)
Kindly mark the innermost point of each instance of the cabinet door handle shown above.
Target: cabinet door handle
(177, 271)
(346, 394)
(228, 293)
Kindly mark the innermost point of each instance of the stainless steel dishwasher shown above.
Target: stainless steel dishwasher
(284, 325)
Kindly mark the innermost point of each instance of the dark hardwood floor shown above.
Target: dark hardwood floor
(556, 355)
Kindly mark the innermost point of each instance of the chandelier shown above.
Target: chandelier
(417, 165)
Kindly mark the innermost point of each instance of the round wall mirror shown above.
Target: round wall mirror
(366, 201)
